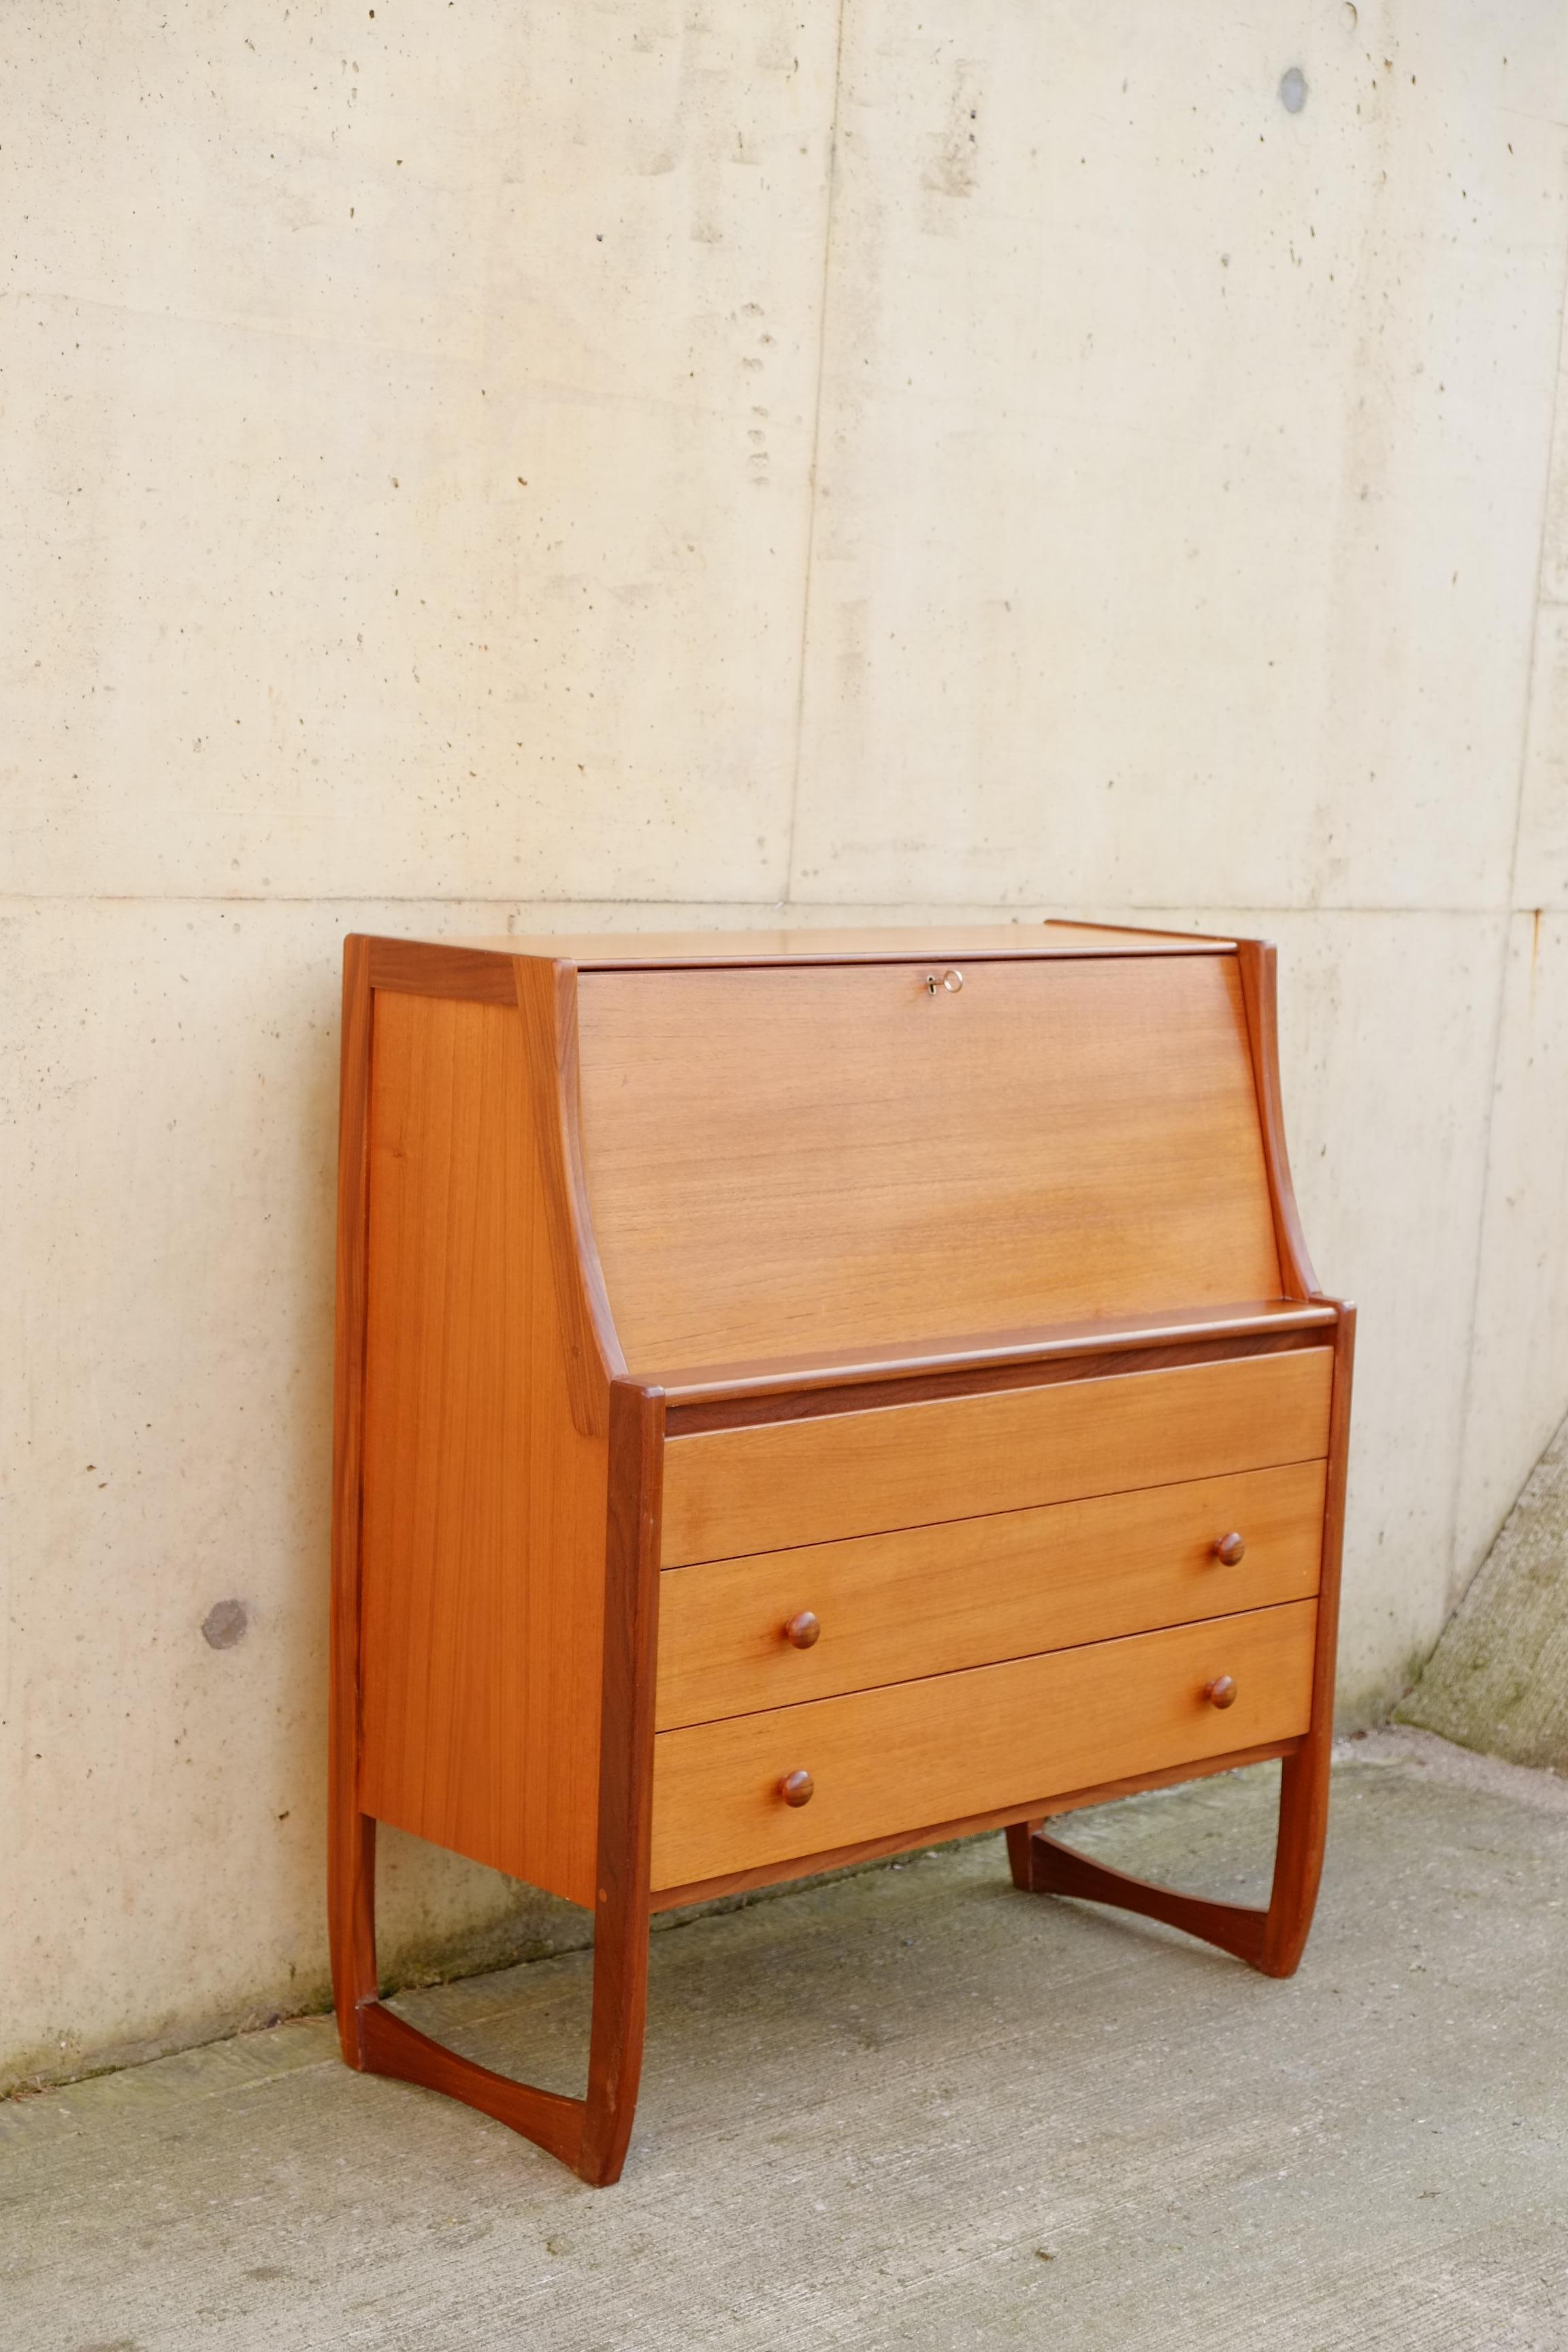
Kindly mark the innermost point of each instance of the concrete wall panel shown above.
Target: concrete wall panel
(620, 465)
(1151, 413)
(1517, 1374)
(413, 455)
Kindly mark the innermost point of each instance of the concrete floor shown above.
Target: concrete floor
(910, 2108)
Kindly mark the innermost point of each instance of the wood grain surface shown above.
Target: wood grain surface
(926, 1601)
(441, 968)
(785, 1483)
(485, 1500)
(830, 1158)
(959, 1743)
(1245, 1326)
(996, 1817)
(748, 1407)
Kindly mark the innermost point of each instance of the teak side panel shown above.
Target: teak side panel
(485, 1504)
(927, 1601)
(964, 1743)
(829, 1157)
(784, 1483)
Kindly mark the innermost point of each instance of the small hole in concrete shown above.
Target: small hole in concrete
(1294, 90)
(224, 1624)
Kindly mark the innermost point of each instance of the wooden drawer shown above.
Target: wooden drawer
(919, 1755)
(784, 1483)
(927, 1601)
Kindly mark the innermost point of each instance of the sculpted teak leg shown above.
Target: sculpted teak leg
(589, 2134)
(1271, 1940)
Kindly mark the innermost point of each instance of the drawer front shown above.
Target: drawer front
(730, 1491)
(927, 1601)
(917, 1755)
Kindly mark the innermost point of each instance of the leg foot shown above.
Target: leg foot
(1271, 1940)
(1298, 1857)
(352, 1923)
(1020, 1837)
(1234, 1927)
(589, 2134)
(392, 2046)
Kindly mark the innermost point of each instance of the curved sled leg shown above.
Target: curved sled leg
(1271, 1940)
(589, 2134)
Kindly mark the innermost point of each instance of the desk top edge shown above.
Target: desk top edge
(645, 950)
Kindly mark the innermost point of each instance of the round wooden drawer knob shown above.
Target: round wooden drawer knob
(802, 1631)
(798, 1787)
(1231, 1548)
(1221, 1691)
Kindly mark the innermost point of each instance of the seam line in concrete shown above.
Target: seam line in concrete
(1026, 916)
(812, 491)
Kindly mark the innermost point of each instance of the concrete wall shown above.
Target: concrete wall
(638, 463)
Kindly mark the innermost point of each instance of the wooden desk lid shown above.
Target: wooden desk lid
(785, 1160)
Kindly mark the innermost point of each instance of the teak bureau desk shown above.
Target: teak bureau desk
(801, 1395)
